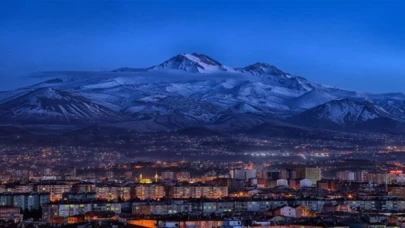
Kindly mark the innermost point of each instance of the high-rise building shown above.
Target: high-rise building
(26, 201)
(345, 175)
(288, 174)
(376, 178)
(21, 188)
(149, 191)
(84, 187)
(198, 191)
(359, 175)
(329, 185)
(113, 192)
(243, 174)
(273, 175)
(67, 209)
(55, 190)
(312, 174)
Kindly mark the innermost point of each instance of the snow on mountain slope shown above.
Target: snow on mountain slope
(193, 89)
(46, 105)
(194, 63)
(313, 98)
(395, 105)
(345, 112)
(157, 105)
(320, 95)
(262, 68)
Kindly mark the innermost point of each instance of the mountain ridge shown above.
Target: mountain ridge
(195, 90)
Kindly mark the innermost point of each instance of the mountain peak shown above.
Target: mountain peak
(51, 106)
(345, 111)
(194, 63)
(202, 58)
(47, 92)
(260, 64)
(260, 68)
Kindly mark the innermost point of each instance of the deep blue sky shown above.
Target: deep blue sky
(352, 44)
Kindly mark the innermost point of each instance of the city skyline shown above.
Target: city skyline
(227, 114)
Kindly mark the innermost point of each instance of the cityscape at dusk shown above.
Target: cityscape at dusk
(202, 114)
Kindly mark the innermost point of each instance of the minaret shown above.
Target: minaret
(140, 177)
(156, 177)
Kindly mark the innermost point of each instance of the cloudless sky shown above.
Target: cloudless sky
(357, 44)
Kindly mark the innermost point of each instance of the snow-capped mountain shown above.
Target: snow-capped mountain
(347, 112)
(194, 63)
(195, 90)
(46, 105)
(191, 63)
(262, 68)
